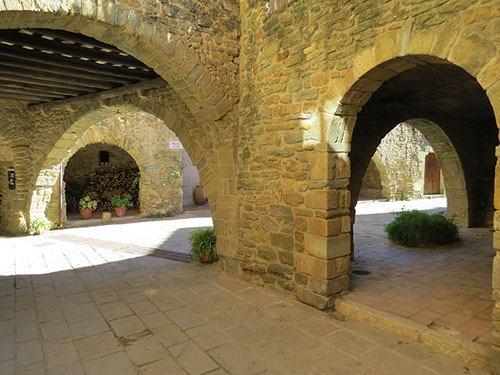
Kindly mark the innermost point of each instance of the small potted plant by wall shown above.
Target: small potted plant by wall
(39, 225)
(87, 205)
(203, 245)
(120, 203)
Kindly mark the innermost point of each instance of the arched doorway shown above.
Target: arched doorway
(190, 99)
(100, 171)
(430, 95)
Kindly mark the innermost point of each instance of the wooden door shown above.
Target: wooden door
(432, 175)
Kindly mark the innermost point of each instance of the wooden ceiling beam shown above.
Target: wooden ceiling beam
(53, 90)
(33, 56)
(61, 71)
(21, 79)
(30, 92)
(55, 78)
(22, 97)
(41, 44)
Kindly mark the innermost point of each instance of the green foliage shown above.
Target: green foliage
(122, 200)
(86, 203)
(135, 182)
(414, 228)
(173, 176)
(39, 225)
(203, 241)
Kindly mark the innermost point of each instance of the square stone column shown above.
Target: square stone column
(327, 240)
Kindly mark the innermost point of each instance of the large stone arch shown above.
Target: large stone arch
(451, 166)
(82, 128)
(136, 133)
(397, 51)
(128, 29)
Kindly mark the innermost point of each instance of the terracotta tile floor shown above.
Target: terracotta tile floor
(447, 285)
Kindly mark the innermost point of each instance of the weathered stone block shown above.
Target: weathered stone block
(327, 247)
(322, 268)
(313, 299)
(283, 241)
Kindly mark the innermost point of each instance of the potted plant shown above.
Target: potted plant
(86, 206)
(203, 245)
(39, 225)
(120, 203)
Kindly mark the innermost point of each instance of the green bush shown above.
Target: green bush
(416, 228)
(203, 241)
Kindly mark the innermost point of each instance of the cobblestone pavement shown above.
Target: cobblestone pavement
(69, 308)
(446, 285)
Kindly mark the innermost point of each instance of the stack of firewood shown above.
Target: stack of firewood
(104, 185)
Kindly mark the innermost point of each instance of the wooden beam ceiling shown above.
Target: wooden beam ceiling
(41, 66)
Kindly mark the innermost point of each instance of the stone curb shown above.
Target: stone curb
(437, 339)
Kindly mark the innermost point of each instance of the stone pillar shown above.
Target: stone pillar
(327, 238)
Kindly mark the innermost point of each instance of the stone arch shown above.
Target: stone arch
(479, 213)
(159, 194)
(128, 29)
(451, 167)
(80, 131)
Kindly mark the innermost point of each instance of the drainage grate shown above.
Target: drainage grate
(361, 272)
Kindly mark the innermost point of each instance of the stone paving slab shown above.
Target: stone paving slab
(102, 311)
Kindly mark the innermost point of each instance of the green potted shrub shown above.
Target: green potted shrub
(120, 203)
(203, 245)
(417, 228)
(39, 225)
(87, 205)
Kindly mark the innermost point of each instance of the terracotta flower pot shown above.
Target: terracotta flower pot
(199, 195)
(121, 211)
(207, 257)
(86, 214)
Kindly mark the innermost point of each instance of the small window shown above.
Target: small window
(103, 157)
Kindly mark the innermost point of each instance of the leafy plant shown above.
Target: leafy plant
(135, 182)
(86, 203)
(416, 228)
(203, 244)
(123, 200)
(40, 224)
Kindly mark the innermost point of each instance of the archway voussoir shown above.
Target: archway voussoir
(471, 53)
(385, 47)
(490, 74)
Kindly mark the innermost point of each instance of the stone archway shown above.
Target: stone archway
(206, 93)
(137, 133)
(132, 31)
(468, 169)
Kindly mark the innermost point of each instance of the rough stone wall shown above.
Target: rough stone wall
(402, 151)
(371, 187)
(86, 162)
(306, 72)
